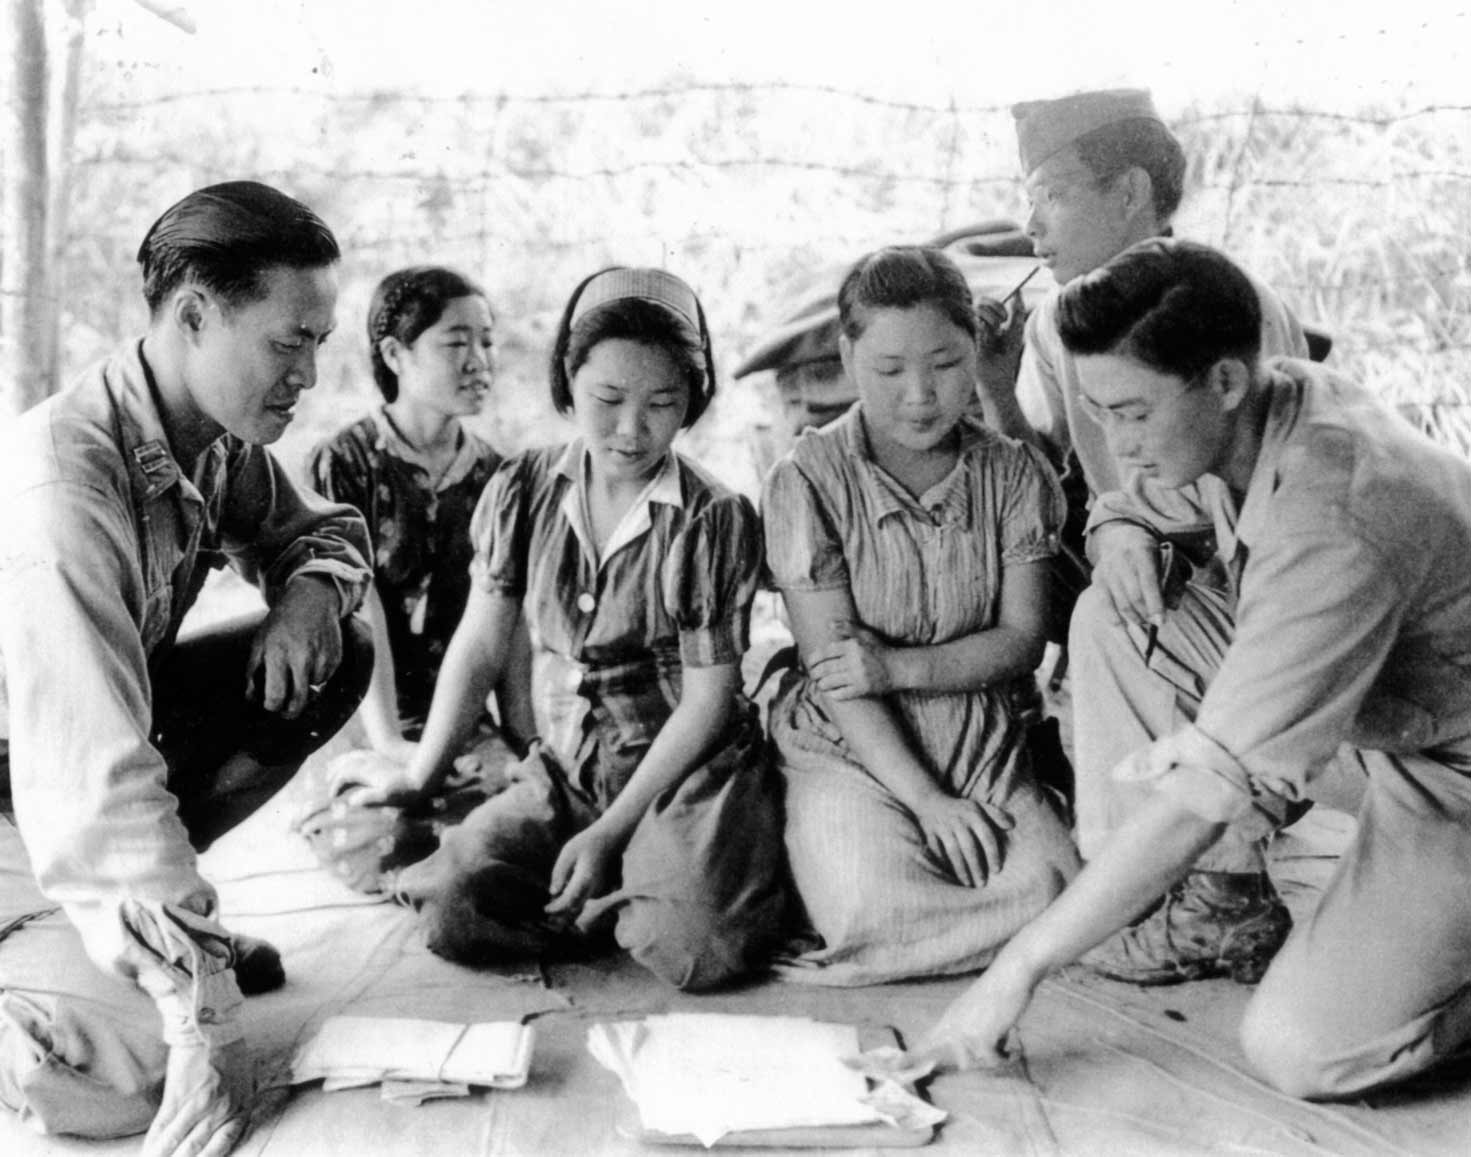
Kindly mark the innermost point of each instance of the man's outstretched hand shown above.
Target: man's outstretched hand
(206, 1101)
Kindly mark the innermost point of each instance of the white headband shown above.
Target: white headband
(656, 285)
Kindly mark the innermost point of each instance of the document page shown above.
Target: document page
(707, 1074)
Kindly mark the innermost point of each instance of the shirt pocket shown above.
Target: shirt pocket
(1392, 725)
(1422, 700)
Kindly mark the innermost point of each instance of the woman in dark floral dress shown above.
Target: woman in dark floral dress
(416, 473)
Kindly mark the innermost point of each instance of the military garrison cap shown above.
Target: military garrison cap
(1045, 126)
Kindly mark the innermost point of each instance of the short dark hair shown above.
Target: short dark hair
(633, 319)
(227, 237)
(902, 277)
(405, 304)
(1176, 306)
(1114, 149)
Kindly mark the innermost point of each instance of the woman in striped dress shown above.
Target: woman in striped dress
(910, 545)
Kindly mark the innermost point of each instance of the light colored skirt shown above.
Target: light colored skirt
(883, 906)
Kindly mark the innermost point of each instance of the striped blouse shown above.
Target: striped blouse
(921, 571)
(612, 635)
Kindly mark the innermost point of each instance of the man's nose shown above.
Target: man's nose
(303, 372)
(1123, 442)
(1033, 226)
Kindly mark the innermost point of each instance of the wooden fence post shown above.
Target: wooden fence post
(28, 323)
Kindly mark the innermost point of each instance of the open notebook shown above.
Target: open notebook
(349, 1050)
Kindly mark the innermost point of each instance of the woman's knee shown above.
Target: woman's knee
(850, 864)
(70, 1069)
(1094, 623)
(1291, 1054)
(685, 943)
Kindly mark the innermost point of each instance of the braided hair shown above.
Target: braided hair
(405, 304)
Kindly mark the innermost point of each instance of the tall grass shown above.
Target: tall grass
(1362, 222)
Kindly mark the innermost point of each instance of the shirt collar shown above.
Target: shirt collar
(151, 463)
(888, 496)
(664, 487)
(393, 442)
(1287, 399)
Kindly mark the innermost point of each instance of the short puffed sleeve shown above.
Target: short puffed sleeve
(1032, 507)
(341, 468)
(804, 550)
(710, 580)
(501, 527)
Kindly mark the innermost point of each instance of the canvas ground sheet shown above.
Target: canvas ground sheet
(1105, 1068)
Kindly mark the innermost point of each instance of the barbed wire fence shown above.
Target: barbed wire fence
(1359, 220)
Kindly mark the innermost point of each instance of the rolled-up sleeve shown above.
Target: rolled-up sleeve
(273, 531)
(89, 789)
(1202, 775)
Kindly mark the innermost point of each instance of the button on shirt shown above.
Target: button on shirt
(1351, 559)
(105, 546)
(921, 571)
(671, 588)
(420, 526)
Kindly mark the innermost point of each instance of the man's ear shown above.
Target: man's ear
(1138, 190)
(189, 312)
(1231, 379)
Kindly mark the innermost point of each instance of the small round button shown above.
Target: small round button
(586, 603)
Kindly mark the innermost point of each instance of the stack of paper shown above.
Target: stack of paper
(706, 1074)
(415, 1059)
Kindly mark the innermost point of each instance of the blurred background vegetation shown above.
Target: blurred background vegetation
(1360, 221)
(1359, 217)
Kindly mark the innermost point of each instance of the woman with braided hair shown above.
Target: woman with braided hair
(416, 472)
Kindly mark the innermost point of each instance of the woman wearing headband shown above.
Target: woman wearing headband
(649, 805)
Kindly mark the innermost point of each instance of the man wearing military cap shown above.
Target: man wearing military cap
(1103, 172)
